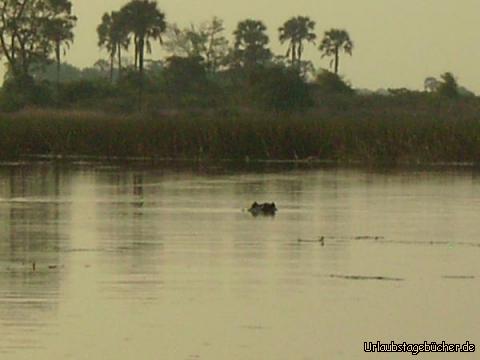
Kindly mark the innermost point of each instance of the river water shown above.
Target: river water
(105, 261)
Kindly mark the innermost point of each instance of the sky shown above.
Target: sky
(398, 43)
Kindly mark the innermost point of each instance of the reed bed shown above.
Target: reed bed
(365, 131)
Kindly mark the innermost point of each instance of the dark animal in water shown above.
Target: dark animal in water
(263, 209)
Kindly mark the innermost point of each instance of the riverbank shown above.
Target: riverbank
(364, 131)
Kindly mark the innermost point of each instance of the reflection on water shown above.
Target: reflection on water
(120, 262)
(31, 213)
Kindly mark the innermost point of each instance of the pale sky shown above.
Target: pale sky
(397, 42)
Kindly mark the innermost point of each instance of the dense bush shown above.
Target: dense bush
(81, 90)
(448, 87)
(329, 83)
(186, 83)
(17, 93)
(279, 88)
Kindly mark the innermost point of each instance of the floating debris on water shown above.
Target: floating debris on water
(360, 237)
(368, 237)
(431, 243)
(363, 277)
(320, 240)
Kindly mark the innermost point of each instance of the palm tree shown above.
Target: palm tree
(146, 22)
(60, 32)
(297, 30)
(251, 42)
(120, 36)
(58, 29)
(113, 36)
(107, 40)
(333, 42)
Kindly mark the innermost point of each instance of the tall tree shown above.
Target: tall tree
(334, 41)
(59, 29)
(251, 40)
(187, 42)
(106, 39)
(297, 30)
(206, 41)
(26, 31)
(217, 44)
(62, 35)
(113, 36)
(146, 22)
(120, 36)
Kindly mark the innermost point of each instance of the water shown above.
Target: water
(151, 263)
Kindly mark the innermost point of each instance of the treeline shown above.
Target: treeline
(204, 70)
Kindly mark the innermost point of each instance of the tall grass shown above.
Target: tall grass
(369, 130)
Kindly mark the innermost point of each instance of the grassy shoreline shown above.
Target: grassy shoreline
(367, 132)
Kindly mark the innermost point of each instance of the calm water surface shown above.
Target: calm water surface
(148, 263)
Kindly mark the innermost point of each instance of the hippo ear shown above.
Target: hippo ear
(273, 204)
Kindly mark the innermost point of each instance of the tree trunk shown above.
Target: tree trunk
(112, 59)
(13, 49)
(336, 60)
(136, 52)
(141, 46)
(209, 55)
(300, 50)
(10, 56)
(293, 54)
(119, 61)
(25, 62)
(57, 56)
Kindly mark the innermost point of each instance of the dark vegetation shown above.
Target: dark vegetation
(210, 100)
(362, 129)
